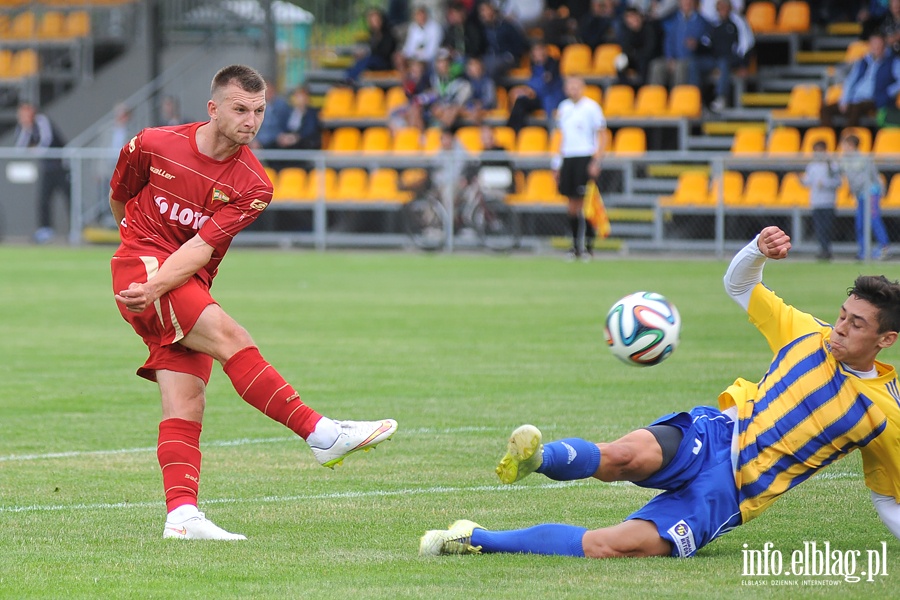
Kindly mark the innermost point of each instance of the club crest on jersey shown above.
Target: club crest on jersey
(220, 195)
(132, 144)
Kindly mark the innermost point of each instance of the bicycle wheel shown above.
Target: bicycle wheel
(497, 225)
(425, 221)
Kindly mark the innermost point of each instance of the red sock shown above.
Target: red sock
(260, 385)
(178, 451)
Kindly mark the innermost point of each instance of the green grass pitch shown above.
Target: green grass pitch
(460, 350)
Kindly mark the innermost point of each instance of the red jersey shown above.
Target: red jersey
(172, 192)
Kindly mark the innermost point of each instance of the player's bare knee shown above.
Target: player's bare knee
(618, 460)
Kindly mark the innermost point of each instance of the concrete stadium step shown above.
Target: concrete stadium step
(819, 57)
(772, 99)
(728, 127)
(846, 28)
(672, 171)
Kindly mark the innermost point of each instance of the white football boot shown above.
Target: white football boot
(353, 437)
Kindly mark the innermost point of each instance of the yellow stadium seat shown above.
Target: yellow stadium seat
(25, 63)
(6, 63)
(844, 198)
(887, 141)
(432, 141)
(338, 103)
(748, 141)
(805, 100)
(692, 189)
(816, 134)
(470, 138)
(506, 137)
(685, 101)
(892, 197)
(833, 93)
(732, 189)
(352, 185)
(412, 178)
(383, 187)
(22, 26)
(51, 25)
(556, 142)
(630, 141)
(576, 59)
(856, 50)
(533, 139)
(783, 140)
(394, 98)
(370, 103)
(78, 24)
(272, 174)
(604, 59)
(407, 140)
(761, 17)
(290, 185)
(540, 188)
(792, 191)
(793, 17)
(345, 139)
(761, 189)
(501, 112)
(619, 101)
(651, 101)
(594, 92)
(863, 134)
(376, 140)
(316, 185)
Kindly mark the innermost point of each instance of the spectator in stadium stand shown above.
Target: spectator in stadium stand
(724, 48)
(463, 37)
(681, 38)
(558, 28)
(180, 195)
(526, 13)
(302, 128)
(277, 111)
(576, 9)
(872, 83)
(657, 10)
(709, 9)
(423, 37)
(447, 94)
(599, 26)
(640, 45)
(170, 111)
(379, 55)
(415, 83)
(823, 178)
(484, 92)
(889, 26)
(542, 91)
(505, 42)
(824, 395)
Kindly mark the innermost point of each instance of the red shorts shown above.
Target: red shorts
(170, 318)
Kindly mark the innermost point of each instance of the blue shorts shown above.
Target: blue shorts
(700, 498)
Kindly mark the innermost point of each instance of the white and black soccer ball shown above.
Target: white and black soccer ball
(643, 329)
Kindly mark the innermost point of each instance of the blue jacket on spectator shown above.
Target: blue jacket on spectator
(886, 82)
(678, 29)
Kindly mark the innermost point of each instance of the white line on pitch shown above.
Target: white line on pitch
(328, 496)
(238, 442)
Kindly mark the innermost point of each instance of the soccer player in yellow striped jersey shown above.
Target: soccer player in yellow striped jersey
(823, 396)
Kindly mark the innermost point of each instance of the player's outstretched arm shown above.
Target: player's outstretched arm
(773, 242)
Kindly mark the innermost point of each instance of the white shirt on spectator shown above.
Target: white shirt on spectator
(422, 42)
(708, 10)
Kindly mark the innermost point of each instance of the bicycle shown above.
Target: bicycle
(478, 207)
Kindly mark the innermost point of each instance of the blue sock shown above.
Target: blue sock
(570, 459)
(560, 540)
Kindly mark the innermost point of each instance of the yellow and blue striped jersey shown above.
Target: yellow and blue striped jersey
(807, 411)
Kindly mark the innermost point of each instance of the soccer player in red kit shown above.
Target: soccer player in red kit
(180, 194)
